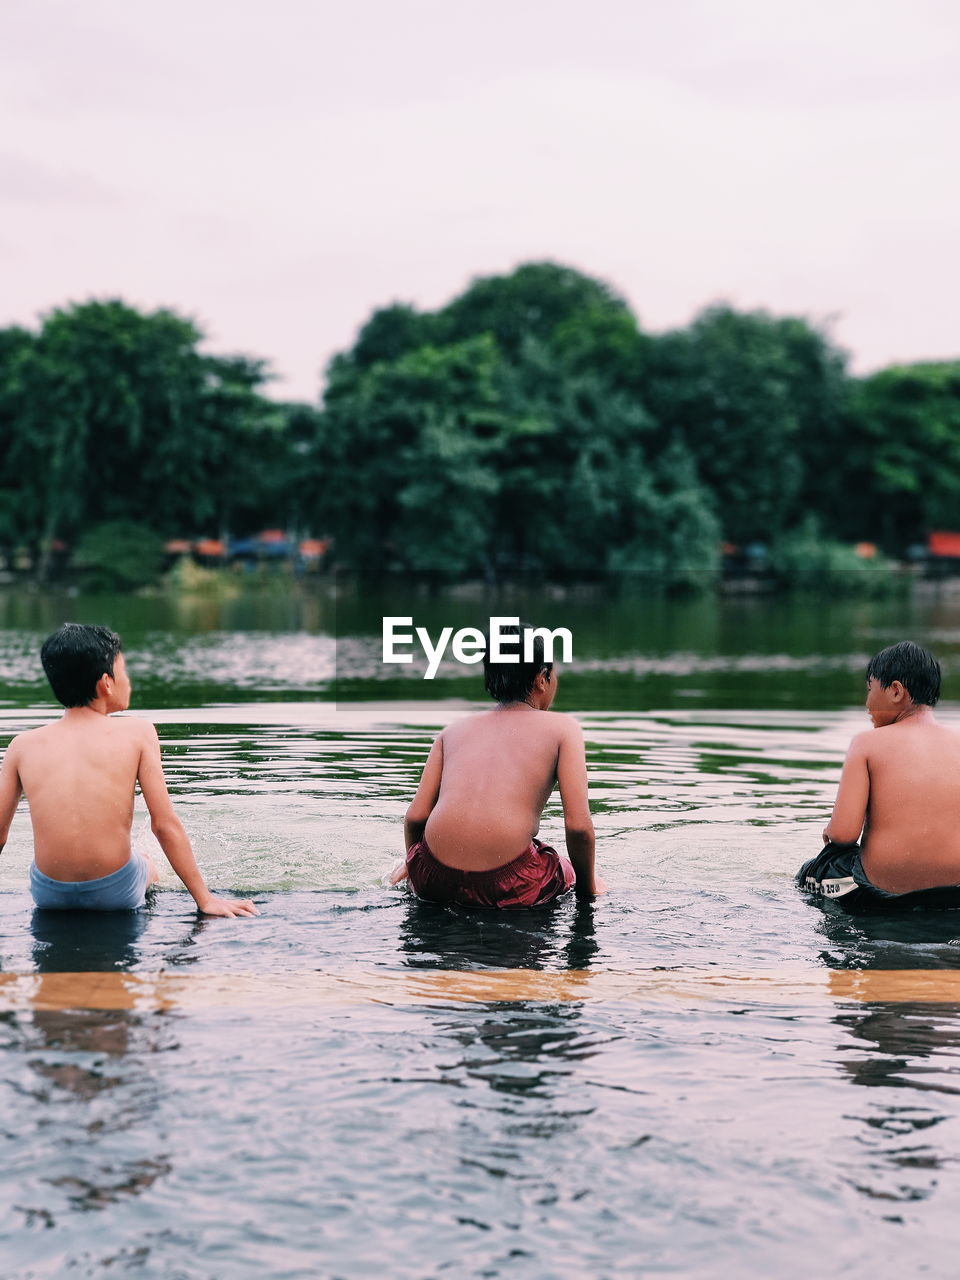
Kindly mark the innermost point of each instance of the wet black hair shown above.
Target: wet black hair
(512, 681)
(75, 657)
(916, 669)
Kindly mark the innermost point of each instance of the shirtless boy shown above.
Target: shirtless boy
(78, 775)
(900, 790)
(470, 833)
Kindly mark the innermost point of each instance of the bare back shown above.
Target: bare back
(913, 819)
(78, 776)
(498, 769)
(901, 784)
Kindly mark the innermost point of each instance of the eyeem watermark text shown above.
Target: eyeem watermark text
(468, 644)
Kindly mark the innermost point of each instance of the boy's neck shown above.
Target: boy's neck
(97, 707)
(915, 711)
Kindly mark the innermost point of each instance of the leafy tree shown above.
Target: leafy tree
(904, 451)
(532, 302)
(569, 441)
(405, 473)
(804, 559)
(607, 342)
(518, 443)
(670, 531)
(251, 454)
(755, 399)
(392, 332)
(529, 424)
(113, 414)
(17, 481)
(119, 555)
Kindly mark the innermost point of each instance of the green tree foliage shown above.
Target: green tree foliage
(672, 532)
(18, 453)
(529, 425)
(755, 399)
(569, 462)
(406, 475)
(119, 555)
(804, 559)
(110, 414)
(513, 440)
(605, 341)
(532, 302)
(904, 451)
(580, 444)
(392, 332)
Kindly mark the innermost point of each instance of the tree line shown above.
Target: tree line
(528, 426)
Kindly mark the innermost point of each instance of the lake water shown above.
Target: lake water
(700, 1074)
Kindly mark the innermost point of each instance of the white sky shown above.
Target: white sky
(278, 169)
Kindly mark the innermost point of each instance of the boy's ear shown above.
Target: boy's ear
(898, 690)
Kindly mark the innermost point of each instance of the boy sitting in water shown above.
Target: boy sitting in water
(470, 832)
(78, 775)
(900, 790)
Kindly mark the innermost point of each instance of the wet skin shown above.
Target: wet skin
(900, 788)
(486, 782)
(79, 776)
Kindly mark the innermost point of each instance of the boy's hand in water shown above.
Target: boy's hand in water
(599, 886)
(214, 906)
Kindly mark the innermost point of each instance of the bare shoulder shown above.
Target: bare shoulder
(452, 731)
(135, 727)
(867, 743)
(476, 722)
(889, 741)
(565, 726)
(131, 726)
(23, 745)
(563, 720)
(133, 733)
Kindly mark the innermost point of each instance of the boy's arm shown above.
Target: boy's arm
(172, 837)
(421, 806)
(853, 796)
(11, 790)
(578, 825)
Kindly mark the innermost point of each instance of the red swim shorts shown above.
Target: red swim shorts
(536, 877)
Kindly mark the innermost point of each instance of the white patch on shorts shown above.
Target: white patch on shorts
(835, 888)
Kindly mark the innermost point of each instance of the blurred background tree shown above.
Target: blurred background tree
(527, 426)
(110, 415)
(756, 400)
(903, 449)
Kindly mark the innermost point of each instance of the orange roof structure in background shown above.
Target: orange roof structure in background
(313, 547)
(272, 535)
(944, 544)
(177, 547)
(210, 547)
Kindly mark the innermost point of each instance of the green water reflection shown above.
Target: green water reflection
(630, 651)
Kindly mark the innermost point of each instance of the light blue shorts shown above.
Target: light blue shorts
(122, 890)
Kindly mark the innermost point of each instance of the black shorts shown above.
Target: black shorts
(836, 874)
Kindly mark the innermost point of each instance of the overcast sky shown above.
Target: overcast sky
(278, 169)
